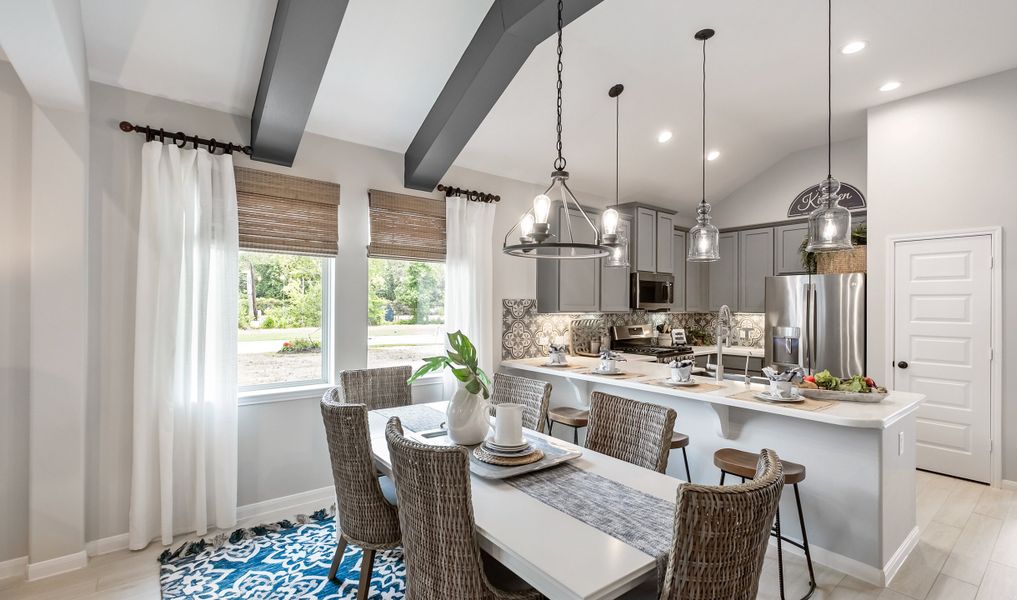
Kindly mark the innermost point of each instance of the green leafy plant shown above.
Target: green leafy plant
(461, 359)
(300, 345)
(859, 237)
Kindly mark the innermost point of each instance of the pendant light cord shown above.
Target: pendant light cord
(559, 163)
(829, 89)
(704, 122)
(617, 146)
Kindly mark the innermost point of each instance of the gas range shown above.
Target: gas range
(638, 339)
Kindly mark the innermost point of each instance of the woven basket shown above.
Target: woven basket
(845, 261)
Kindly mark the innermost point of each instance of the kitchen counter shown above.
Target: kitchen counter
(859, 496)
(878, 415)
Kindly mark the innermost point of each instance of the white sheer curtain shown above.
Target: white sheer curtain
(184, 470)
(469, 234)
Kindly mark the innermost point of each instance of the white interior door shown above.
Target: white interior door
(942, 348)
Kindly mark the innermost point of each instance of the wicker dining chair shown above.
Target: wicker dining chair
(533, 394)
(721, 534)
(363, 516)
(383, 387)
(443, 558)
(629, 430)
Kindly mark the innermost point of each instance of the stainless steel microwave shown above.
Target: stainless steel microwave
(652, 291)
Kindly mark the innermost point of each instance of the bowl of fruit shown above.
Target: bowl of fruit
(825, 386)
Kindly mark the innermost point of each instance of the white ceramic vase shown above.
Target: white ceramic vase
(467, 417)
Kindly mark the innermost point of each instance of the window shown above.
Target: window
(405, 310)
(288, 229)
(283, 336)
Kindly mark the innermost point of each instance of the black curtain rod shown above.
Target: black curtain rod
(181, 139)
(471, 195)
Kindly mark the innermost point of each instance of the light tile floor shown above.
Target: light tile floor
(967, 551)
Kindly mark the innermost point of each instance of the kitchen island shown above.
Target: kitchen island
(859, 494)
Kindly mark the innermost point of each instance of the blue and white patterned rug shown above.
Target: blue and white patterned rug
(285, 560)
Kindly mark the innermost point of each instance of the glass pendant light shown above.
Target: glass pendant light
(830, 224)
(534, 226)
(704, 238)
(620, 255)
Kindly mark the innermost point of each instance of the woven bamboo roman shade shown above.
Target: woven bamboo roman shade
(283, 213)
(406, 227)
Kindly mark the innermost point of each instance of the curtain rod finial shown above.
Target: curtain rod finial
(126, 127)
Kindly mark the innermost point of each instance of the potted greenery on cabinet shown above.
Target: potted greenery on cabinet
(843, 261)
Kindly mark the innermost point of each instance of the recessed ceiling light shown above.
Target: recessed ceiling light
(889, 86)
(713, 155)
(852, 47)
(664, 136)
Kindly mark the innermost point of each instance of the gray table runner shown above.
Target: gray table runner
(415, 417)
(640, 520)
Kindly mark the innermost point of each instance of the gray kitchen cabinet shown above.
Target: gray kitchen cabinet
(665, 243)
(755, 264)
(569, 285)
(723, 274)
(614, 281)
(786, 241)
(697, 287)
(646, 240)
(678, 258)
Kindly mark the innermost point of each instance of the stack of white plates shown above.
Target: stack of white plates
(508, 451)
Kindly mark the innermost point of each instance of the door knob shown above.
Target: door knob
(903, 364)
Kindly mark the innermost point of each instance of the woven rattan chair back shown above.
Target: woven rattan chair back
(721, 534)
(364, 517)
(636, 432)
(533, 394)
(383, 387)
(440, 548)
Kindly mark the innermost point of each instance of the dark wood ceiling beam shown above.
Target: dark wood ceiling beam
(505, 39)
(303, 33)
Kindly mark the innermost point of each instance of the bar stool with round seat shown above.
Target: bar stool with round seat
(743, 464)
(681, 440)
(569, 416)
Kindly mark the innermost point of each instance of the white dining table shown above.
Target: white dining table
(560, 556)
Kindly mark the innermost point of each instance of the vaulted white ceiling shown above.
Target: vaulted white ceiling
(766, 76)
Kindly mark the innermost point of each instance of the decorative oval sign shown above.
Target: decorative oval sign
(808, 200)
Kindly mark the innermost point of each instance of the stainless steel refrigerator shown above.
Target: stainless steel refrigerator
(816, 322)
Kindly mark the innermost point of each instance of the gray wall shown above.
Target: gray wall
(282, 448)
(945, 160)
(768, 195)
(15, 170)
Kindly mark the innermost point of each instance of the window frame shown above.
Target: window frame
(268, 392)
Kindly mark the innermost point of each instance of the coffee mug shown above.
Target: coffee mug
(683, 373)
(508, 424)
(608, 365)
(780, 388)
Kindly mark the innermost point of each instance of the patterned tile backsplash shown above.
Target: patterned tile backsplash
(525, 333)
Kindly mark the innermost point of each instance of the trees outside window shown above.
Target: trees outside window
(405, 311)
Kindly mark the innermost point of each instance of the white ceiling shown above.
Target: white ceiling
(766, 76)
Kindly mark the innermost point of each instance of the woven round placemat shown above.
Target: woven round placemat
(503, 461)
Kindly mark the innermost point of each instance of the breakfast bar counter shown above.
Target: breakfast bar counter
(859, 496)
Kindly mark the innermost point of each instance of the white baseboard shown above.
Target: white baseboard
(56, 566)
(14, 567)
(106, 545)
(903, 552)
(286, 506)
(1007, 484)
(856, 568)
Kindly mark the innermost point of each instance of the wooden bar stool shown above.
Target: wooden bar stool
(681, 440)
(743, 464)
(570, 416)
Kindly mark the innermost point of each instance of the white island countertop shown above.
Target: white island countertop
(878, 415)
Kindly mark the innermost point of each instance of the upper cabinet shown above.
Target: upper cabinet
(723, 274)
(569, 285)
(665, 243)
(755, 264)
(614, 281)
(678, 260)
(788, 239)
(646, 239)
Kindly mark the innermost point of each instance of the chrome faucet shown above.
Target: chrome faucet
(723, 333)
